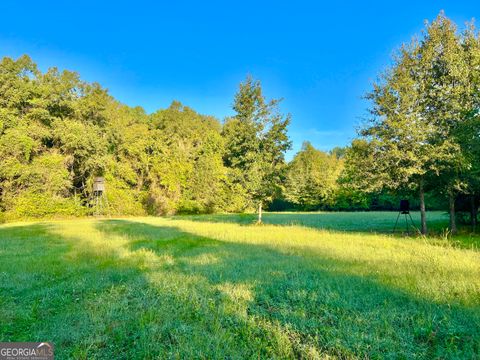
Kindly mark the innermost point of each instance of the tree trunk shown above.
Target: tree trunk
(423, 216)
(453, 223)
(473, 213)
(259, 212)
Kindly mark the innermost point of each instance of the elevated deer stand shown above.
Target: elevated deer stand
(99, 198)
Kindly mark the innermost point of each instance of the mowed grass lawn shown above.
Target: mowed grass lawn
(219, 287)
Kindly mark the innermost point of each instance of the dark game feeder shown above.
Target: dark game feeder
(405, 210)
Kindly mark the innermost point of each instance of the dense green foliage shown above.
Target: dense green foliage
(311, 180)
(57, 133)
(149, 288)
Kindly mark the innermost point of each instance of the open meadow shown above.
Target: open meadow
(265, 180)
(322, 285)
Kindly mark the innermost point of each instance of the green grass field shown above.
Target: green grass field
(379, 221)
(324, 285)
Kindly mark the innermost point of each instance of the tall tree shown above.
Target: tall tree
(415, 107)
(255, 144)
(468, 132)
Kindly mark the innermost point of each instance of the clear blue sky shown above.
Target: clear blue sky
(321, 57)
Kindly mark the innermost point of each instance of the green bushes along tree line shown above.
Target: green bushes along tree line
(57, 133)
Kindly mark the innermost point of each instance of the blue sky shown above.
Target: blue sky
(321, 57)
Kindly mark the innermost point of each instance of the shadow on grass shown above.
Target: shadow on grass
(312, 302)
(76, 301)
(144, 291)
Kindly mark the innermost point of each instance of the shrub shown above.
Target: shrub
(121, 200)
(38, 205)
(190, 207)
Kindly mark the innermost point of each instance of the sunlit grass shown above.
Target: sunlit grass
(367, 221)
(214, 288)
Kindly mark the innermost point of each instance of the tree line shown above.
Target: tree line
(420, 140)
(58, 133)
